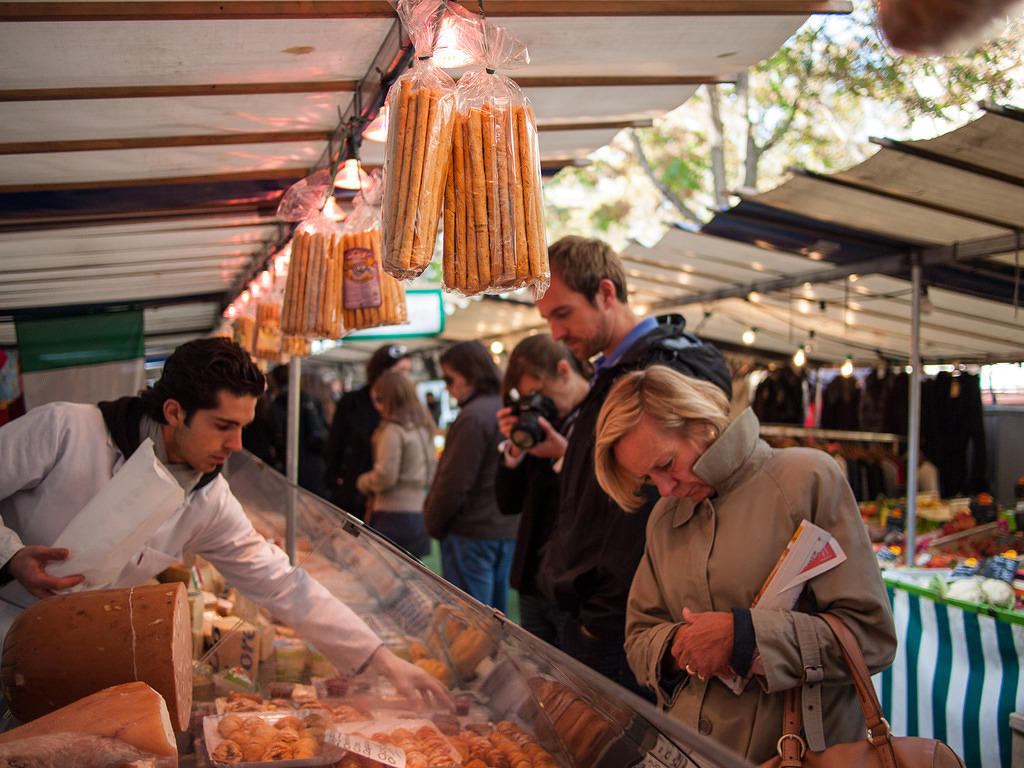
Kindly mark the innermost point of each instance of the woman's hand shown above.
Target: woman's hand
(410, 681)
(703, 644)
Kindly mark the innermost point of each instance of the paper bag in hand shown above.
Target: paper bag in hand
(113, 526)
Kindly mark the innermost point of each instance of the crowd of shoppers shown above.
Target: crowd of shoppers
(605, 479)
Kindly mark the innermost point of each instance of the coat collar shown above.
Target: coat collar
(727, 461)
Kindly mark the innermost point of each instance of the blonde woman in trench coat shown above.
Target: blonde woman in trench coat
(730, 504)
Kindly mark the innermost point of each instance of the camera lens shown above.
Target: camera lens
(526, 432)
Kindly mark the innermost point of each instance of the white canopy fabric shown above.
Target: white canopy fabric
(145, 145)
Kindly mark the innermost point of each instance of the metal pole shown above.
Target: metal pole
(292, 453)
(914, 408)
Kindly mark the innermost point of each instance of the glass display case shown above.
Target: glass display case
(519, 701)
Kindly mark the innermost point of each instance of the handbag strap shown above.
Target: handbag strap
(878, 728)
(791, 746)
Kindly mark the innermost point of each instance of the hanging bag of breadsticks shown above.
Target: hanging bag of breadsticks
(268, 316)
(420, 107)
(494, 239)
(312, 294)
(370, 296)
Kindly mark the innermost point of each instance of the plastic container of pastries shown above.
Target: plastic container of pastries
(285, 739)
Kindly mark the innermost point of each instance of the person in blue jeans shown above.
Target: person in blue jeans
(461, 511)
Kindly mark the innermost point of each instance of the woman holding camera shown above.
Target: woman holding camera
(543, 386)
(476, 539)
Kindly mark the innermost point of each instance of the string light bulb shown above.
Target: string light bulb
(749, 336)
(377, 129)
(497, 347)
(334, 211)
(799, 358)
(847, 367)
(351, 176)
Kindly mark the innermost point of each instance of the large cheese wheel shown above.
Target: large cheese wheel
(68, 646)
(131, 712)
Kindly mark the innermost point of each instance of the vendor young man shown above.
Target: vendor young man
(55, 458)
(589, 562)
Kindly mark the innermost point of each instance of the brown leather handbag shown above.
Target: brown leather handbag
(879, 750)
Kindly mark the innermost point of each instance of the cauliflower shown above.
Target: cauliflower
(965, 589)
(998, 593)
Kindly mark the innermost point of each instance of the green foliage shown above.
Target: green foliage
(814, 103)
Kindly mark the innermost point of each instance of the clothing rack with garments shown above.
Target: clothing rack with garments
(872, 461)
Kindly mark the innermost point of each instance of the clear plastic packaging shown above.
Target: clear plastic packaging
(421, 106)
(494, 237)
(312, 296)
(370, 296)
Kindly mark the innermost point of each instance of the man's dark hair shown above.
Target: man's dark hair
(472, 361)
(583, 262)
(195, 373)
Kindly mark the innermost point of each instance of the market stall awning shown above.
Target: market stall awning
(824, 261)
(145, 145)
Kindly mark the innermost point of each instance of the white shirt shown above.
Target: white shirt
(55, 458)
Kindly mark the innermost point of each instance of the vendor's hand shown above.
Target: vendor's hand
(28, 566)
(552, 446)
(703, 644)
(409, 680)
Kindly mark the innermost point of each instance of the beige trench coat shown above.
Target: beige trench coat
(716, 556)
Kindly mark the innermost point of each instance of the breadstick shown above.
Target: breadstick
(531, 191)
(439, 177)
(465, 243)
(420, 136)
(299, 258)
(514, 269)
(426, 199)
(449, 236)
(478, 181)
(289, 291)
(517, 192)
(488, 139)
(399, 137)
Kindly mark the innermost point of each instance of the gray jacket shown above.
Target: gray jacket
(403, 466)
(461, 500)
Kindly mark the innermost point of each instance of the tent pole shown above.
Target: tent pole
(292, 452)
(914, 410)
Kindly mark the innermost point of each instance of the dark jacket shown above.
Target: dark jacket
(589, 562)
(461, 500)
(312, 437)
(531, 491)
(348, 452)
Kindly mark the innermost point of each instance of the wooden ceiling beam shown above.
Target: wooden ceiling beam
(176, 91)
(608, 81)
(160, 142)
(594, 125)
(195, 10)
(268, 174)
(52, 221)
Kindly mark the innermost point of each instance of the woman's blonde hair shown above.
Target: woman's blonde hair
(692, 408)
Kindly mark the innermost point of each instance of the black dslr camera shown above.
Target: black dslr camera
(527, 431)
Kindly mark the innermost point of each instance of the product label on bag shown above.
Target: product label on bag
(361, 289)
(382, 753)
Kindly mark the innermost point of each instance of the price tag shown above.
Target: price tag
(668, 754)
(382, 753)
(649, 762)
